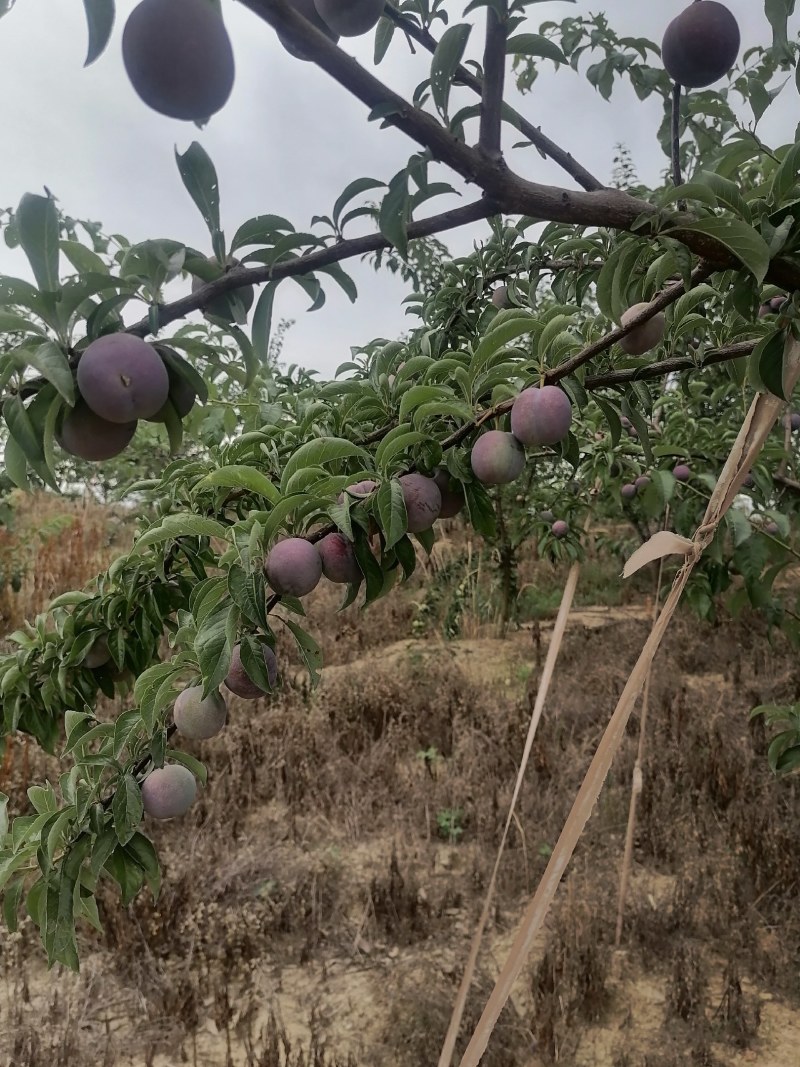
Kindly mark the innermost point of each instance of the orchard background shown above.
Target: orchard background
(571, 345)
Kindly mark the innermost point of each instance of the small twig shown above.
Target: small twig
(676, 141)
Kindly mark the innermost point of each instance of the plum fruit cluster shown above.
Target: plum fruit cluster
(701, 44)
(120, 379)
(539, 416)
(179, 58)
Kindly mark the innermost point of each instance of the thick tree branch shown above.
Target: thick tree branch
(669, 366)
(494, 70)
(512, 194)
(464, 76)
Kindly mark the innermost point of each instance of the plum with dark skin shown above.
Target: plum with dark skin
(452, 494)
(642, 482)
(681, 472)
(497, 458)
(423, 501)
(560, 529)
(645, 337)
(500, 297)
(240, 682)
(541, 416)
(168, 792)
(338, 559)
(85, 435)
(122, 378)
(198, 717)
(293, 567)
(308, 10)
(350, 18)
(179, 58)
(628, 491)
(701, 44)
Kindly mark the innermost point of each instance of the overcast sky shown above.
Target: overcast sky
(289, 140)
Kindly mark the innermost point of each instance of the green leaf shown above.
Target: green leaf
(769, 357)
(383, 38)
(533, 44)
(262, 324)
(37, 224)
(183, 525)
(22, 429)
(11, 323)
(446, 59)
(200, 178)
(360, 185)
(309, 649)
(261, 230)
(126, 871)
(143, 851)
(126, 808)
(12, 899)
(51, 362)
(83, 259)
(392, 512)
(319, 452)
(213, 644)
(15, 463)
(393, 215)
(238, 476)
(100, 20)
(740, 239)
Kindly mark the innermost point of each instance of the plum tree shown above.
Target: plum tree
(681, 472)
(452, 494)
(179, 57)
(350, 18)
(339, 559)
(642, 338)
(560, 529)
(629, 491)
(423, 501)
(541, 416)
(240, 682)
(168, 792)
(308, 9)
(122, 378)
(497, 458)
(293, 567)
(85, 435)
(701, 44)
(198, 717)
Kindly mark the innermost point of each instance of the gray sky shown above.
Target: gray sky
(289, 140)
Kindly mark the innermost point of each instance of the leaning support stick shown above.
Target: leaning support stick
(758, 422)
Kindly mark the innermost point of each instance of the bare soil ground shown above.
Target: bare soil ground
(319, 900)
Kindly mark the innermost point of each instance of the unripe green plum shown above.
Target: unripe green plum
(85, 435)
(681, 472)
(560, 529)
(308, 10)
(628, 491)
(452, 494)
(293, 567)
(240, 682)
(701, 44)
(199, 717)
(350, 18)
(497, 458)
(122, 378)
(169, 791)
(179, 58)
(423, 501)
(541, 416)
(339, 559)
(642, 338)
(98, 655)
(500, 297)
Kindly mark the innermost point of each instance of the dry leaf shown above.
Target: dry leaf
(663, 543)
